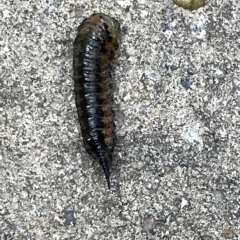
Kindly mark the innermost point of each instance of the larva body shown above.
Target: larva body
(190, 4)
(94, 48)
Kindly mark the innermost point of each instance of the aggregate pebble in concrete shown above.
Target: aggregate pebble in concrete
(177, 94)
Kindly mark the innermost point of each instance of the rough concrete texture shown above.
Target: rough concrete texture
(176, 173)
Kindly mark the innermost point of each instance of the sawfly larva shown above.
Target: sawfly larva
(94, 48)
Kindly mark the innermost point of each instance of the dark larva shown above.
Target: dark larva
(94, 49)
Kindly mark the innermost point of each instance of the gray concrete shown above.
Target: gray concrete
(177, 94)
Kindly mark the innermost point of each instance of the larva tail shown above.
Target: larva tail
(105, 162)
(108, 180)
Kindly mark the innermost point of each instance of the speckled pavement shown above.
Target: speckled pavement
(176, 172)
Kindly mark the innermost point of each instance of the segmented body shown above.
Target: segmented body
(94, 49)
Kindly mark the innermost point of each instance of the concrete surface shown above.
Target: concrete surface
(177, 94)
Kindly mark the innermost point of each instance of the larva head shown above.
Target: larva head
(113, 26)
(111, 34)
(98, 19)
(190, 4)
(102, 26)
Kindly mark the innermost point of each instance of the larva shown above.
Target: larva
(190, 4)
(94, 48)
